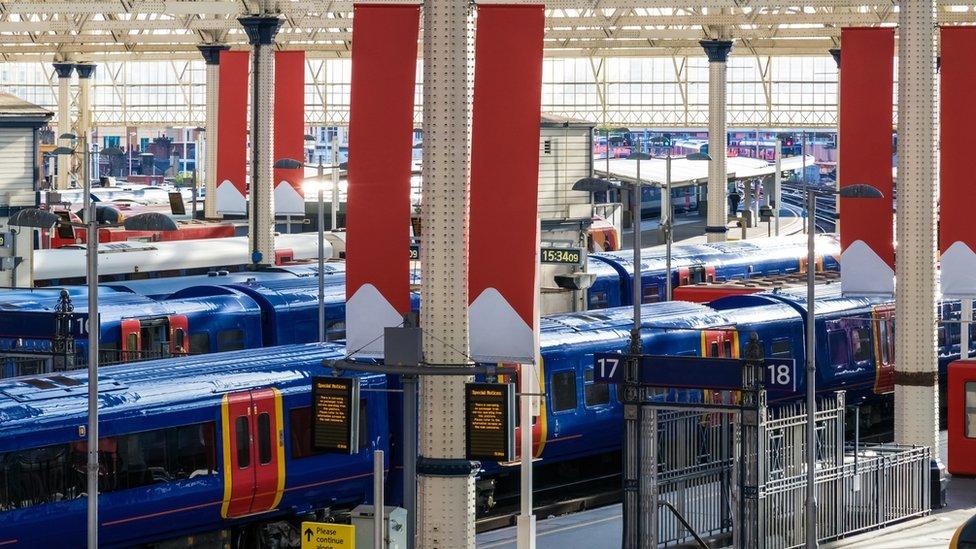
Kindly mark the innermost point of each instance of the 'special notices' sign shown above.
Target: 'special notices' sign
(489, 410)
(335, 414)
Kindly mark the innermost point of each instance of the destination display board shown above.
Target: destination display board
(335, 414)
(561, 256)
(489, 421)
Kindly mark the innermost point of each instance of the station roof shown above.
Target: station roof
(99, 30)
(687, 172)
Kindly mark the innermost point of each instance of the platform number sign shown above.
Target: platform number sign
(609, 367)
(780, 374)
(414, 252)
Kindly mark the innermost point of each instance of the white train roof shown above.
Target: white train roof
(140, 257)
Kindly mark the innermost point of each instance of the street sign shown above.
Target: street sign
(326, 535)
(609, 367)
(561, 256)
(489, 421)
(335, 414)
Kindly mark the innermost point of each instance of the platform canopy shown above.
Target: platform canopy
(686, 172)
(168, 29)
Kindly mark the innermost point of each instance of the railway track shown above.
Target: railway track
(825, 220)
(555, 500)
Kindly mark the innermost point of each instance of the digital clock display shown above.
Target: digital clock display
(563, 256)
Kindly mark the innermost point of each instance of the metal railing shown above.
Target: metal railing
(702, 458)
(888, 484)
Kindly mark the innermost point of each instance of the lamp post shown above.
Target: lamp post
(292, 164)
(35, 218)
(858, 190)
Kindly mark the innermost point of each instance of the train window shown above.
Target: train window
(199, 343)
(335, 331)
(230, 340)
(970, 409)
(781, 348)
(179, 340)
(594, 394)
(861, 344)
(713, 349)
(243, 442)
(57, 472)
(727, 348)
(564, 391)
(264, 438)
(132, 342)
(598, 300)
(838, 347)
(650, 294)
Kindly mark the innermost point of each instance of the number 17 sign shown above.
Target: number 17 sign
(609, 367)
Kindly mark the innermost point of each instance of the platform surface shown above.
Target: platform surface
(601, 528)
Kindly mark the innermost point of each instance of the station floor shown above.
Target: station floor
(601, 528)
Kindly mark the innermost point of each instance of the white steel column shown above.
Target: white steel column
(84, 127)
(835, 53)
(211, 55)
(916, 369)
(261, 31)
(446, 484)
(717, 216)
(64, 71)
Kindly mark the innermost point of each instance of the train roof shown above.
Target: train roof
(136, 389)
(135, 257)
(166, 286)
(829, 300)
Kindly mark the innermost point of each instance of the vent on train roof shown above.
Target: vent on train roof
(37, 389)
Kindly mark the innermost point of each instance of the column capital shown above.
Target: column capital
(85, 70)
(835, 53)
(211, 52)
(261, 30)
(716, 50)
(64, 69)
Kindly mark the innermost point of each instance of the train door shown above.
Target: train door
(722, 343)
(694, 275)
(254, 452)
(819, 264)
(131, 342)
(884, 348)
(538, 421)
(178, 335)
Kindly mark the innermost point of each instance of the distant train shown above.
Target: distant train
(155, 318)
(128, 260)
(223, 442)
(764, 148)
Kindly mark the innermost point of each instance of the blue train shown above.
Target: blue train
(156, 318)
(222, 442)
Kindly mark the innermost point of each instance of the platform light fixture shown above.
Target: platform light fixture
(293, 164)
(35, 218)
(858, 191)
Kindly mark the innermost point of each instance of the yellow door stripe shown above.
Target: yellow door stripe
(280, 443)
(543, 420)
(228, 465)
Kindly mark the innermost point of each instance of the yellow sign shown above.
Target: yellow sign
(326, 535)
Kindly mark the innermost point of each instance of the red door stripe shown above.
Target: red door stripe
(502, 275)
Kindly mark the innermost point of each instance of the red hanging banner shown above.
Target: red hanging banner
(866, 97)
(384, 68)
(957, 240)
(289, 131)
(503, 256)
(232, 133)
